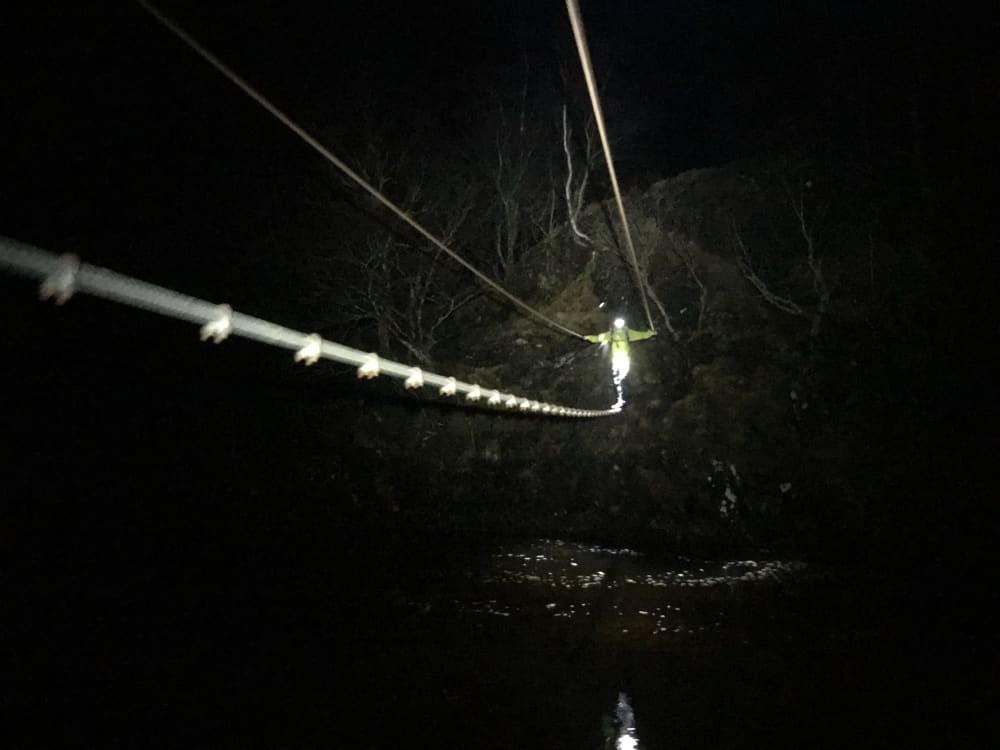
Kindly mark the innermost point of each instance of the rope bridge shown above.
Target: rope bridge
(62, 276)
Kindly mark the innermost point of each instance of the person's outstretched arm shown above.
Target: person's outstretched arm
(640, 335)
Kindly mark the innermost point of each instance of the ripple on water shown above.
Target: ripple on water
(616, 592)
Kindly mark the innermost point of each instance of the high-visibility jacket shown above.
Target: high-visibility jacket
(619, 338)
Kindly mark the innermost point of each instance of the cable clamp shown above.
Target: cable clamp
(449, 388)
(525, 404)
(511, 402)
(535, 406)
(61, 283)
(370, 367)
(494, 399)
(546, 409)
(475, 394)
(415, 379)
(219, 328)
(309, 354)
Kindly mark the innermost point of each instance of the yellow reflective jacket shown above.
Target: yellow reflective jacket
(619, 338)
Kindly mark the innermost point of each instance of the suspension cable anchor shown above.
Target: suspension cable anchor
(369, 369)
(309, 353)
(219, 328)
(61, 283)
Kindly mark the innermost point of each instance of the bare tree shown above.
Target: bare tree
(820, 291)
(403, 291)
(394, 284)
(643, 274)
(575, 186)
(685, 251)
(514, 152)
(522, 207)
(518, 151)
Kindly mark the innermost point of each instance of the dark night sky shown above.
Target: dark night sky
(114, 127)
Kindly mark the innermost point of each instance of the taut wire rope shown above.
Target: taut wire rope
(576, 21)
(249, 90)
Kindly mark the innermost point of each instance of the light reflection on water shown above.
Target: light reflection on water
(710, 653)
(611, 592)
(595, 620)
(626, 738)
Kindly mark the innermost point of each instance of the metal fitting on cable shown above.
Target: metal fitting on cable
(369, 369)
(450, 388)
(309, 353)
(415, 379)
(219, 328)
(61, 283)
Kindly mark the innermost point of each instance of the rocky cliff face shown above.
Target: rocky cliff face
(795, 397)
(763, 414)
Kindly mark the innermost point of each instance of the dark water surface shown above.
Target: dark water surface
(440, 642)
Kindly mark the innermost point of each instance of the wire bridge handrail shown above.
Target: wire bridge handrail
(62, 276)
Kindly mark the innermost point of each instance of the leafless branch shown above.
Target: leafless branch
(667, 322)
(785, 304)
(820, 288)
(684, 250)
(394, 287)
(821, 291)
(574, 194)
